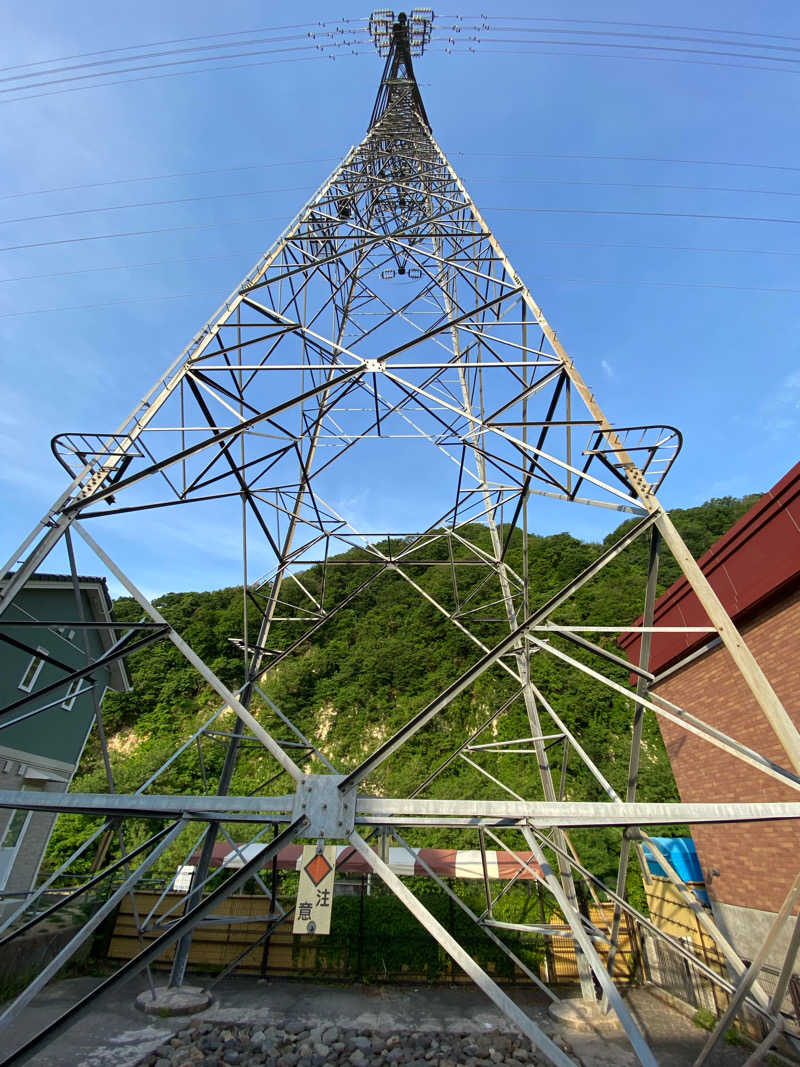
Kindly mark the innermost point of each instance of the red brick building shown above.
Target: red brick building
(755, 571)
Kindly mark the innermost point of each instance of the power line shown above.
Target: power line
(163, 177)
(641, 25)
(616, 57)
(634, 185)
(525, 210)
(666, 285)
(534, 45)
(539, 277)
(108, 303)
(482, 32)
(643, 214)
(170, 74)
(704, 250)
(463, 155)
(141, 233)
(321, 28)
(674, 248)
(331, 46)
(483, 29)
(150, 55)
(171, 63)
(180, 40)
(106, 268)
(302, 188)
(631, 159)
(153, 203)
(329, 50)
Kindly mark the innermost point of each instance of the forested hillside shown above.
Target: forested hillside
(368, 669)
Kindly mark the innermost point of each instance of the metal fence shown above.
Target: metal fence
(672, 972)
(669, 970)
(768, 979)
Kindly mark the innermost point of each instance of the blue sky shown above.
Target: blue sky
(687, 321)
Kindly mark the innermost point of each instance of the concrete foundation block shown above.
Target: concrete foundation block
(177, 1000)
(586, 1015)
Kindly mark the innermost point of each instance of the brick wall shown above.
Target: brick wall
(757, 861)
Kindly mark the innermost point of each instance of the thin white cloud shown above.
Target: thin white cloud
(780, 412)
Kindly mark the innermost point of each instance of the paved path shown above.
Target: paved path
(114, 1034)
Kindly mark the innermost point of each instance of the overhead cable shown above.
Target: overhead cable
(541, 277)
(172, 63)
(534, 45)
(464, 155)
(494, 179)
(154, 203)
(631, 159)
(164, 177)
(181, 40)
(140, 233)
(169, 74)
(485, 29)
(617, 58)
(610, 22)
(525, 210)
(254, 252)
(644, 214)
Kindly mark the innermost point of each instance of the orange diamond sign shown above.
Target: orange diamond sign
(318, 868)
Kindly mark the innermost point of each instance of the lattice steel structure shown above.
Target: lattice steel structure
(313, 365)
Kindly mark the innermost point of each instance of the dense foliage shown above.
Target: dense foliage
(382, 658)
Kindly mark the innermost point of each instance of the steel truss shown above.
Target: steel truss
(312, 362)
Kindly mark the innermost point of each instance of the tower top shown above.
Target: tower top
(417, 27)
(398, 39)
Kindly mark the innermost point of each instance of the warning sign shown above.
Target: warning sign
(315, 892)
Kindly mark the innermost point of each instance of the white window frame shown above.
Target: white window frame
(13, 850)
(73, 691)
(37, 663)
(22, 828)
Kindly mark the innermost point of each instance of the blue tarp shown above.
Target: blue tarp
(682, 856)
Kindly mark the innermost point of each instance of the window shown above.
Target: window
(10, 838)
(13, 831)
(73, 689)
(32, 671)
(16, 825)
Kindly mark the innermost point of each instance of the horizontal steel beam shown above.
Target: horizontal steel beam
(399, 811)
(575, 813)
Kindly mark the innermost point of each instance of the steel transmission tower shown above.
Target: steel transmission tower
(321, 364)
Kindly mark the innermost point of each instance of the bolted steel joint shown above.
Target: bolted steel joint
(330, 811)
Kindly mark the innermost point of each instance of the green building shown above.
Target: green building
(43, 730)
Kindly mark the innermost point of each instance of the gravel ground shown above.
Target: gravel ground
(208, 1044)
(280, 1022)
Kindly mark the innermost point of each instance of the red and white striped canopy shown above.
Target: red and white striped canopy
(445, 862)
